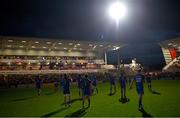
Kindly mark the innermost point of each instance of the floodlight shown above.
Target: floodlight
(117, 11)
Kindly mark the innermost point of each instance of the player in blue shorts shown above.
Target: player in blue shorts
(94, 83)
(148, 80)
(79, 84)
(66, 90)
(112, 83)
(86, 90)
(139, 78)
(122, 80)
(38, 83)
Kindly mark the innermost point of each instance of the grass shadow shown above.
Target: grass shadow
(78, 113)
(124, 100)
(22, 99)
(155, 92)
(54, 112)
(73, 100)
(145, 114)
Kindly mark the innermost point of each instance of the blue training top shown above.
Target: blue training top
(94, 81)
(66, 84)
(38, 81)
(122, 80)
(112, 80)
(139, 78)
(86, 84)
(79, 81)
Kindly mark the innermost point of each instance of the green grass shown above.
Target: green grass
(25, 102)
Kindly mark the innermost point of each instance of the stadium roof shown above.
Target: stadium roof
(172, 43)
(56, 44)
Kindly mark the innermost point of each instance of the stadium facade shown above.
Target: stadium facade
(27, 53)
(171, 52)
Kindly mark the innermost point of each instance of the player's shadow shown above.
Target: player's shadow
(78, 113)
(54, 112)
(155, 92)
(111, 94)
(73, 100)
(22, 99)
(124, 100)
(145, 114)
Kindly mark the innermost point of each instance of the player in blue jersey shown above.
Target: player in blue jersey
(148, 80)
(139, 78)
(86, 86)
(38, 83)
(122, 80)
(112, 83)
(66, 90)
(94, 83)
(79, 84)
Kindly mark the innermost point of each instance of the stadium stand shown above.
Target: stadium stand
(22, 53)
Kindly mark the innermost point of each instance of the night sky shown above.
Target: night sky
(147, 23)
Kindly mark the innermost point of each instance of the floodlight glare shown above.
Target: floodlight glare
(117, 11)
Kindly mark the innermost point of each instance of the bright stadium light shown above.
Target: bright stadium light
(117, 11)
(174, 45)
(48, 42)
(8, 46)
(10, 40)
(70, 43)
(169, 43)
(90, 45)
(116, 48)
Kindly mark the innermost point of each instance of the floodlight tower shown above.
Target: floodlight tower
(117, 11)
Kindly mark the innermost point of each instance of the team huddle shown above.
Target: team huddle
(87, 86)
